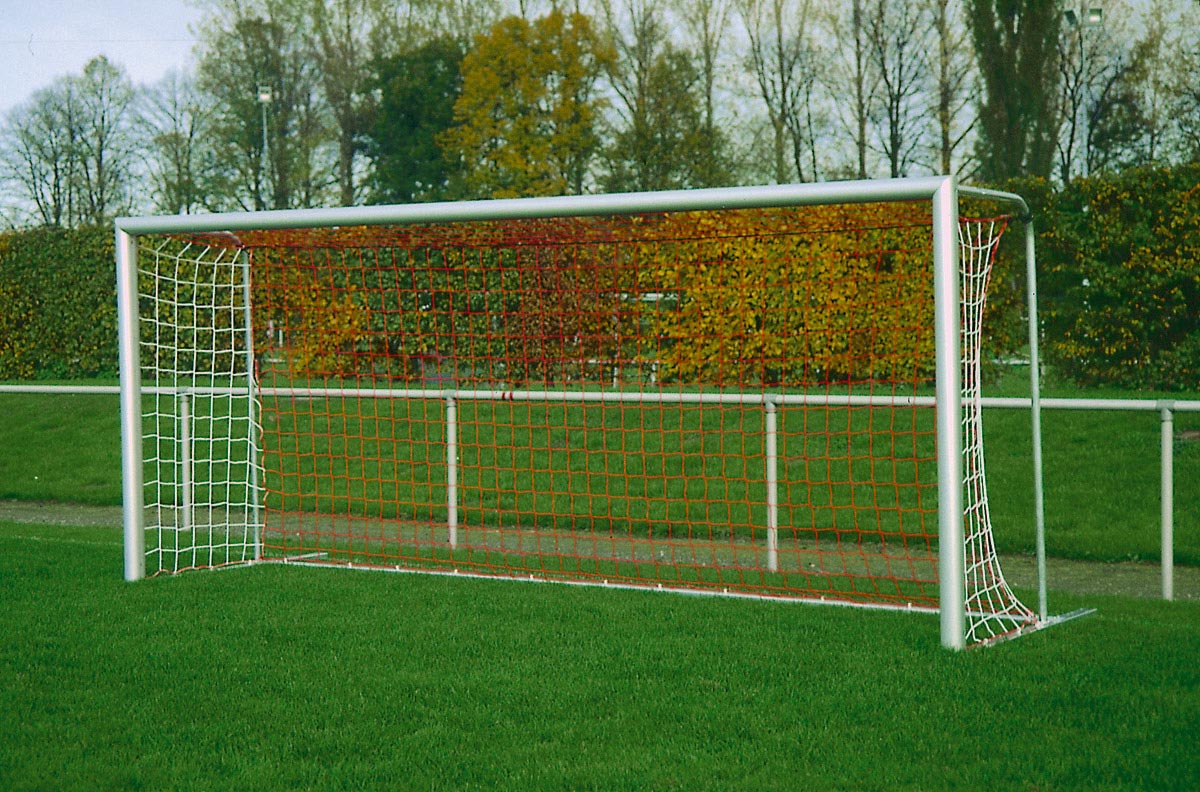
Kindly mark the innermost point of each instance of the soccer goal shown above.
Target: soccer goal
(763, 392)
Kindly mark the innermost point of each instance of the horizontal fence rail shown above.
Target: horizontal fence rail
(665, 397)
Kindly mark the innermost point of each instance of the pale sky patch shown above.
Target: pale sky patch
(41, 40)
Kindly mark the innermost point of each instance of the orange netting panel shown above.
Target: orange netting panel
(726, 401)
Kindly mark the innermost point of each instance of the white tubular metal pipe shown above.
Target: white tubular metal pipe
(79, 390)
(661, 397)
(749, 398)
(1168, 501)
(770, 429)
(131, 407)
(1116, 405)
(452, 469)
(251, 408)
(1035, 414)
(948, 354)
(998, 195)
(865, 191)
(185, 461)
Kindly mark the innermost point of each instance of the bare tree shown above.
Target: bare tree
(852, 79)
(1175, 73)
(465, 19)
(782, 64)
(69, 150)
(1074, 46)
(1100, 105)
(638, 33)
(706, 22)
(347, 36)
(954, 89)
(41, 153)
(175, 124)
(1157, 75)
(1116, 124)
(1188, 105)
(106, 147)
(899, 34)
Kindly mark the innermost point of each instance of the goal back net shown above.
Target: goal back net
(765, 392)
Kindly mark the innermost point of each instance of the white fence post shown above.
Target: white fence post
(452, 468)
(1167, 414)
(185, 461)
(772, 453)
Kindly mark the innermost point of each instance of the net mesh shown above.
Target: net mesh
(199, 421)
(731, 402)
(992, 609)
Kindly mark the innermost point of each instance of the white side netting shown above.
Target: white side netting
(199, 418)
(992, 610)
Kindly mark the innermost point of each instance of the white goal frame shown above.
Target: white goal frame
(942, 193)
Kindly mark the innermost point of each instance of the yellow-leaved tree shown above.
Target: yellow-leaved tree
(526, 120)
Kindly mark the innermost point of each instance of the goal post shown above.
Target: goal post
(767, 391)
(948, 350)
(129, 357)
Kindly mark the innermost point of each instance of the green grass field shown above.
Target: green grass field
(283, 678)
(278, 678)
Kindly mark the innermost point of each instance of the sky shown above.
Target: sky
(41, 40)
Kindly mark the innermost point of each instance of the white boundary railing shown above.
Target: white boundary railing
(1166, 408)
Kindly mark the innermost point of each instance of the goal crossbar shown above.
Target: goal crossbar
(717, 198)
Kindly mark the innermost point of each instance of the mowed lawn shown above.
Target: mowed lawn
(285, 678)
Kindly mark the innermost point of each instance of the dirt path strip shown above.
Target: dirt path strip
(50, 513)
(1133, 579)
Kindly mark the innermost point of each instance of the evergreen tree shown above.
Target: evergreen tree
(417, 92)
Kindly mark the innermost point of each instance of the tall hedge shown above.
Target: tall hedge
(786, 297)
(1120, 279)
(1119, 269)
(57, 304)
(796, 297)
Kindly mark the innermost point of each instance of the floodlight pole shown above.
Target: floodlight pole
(1087, 17)
(265, 97)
